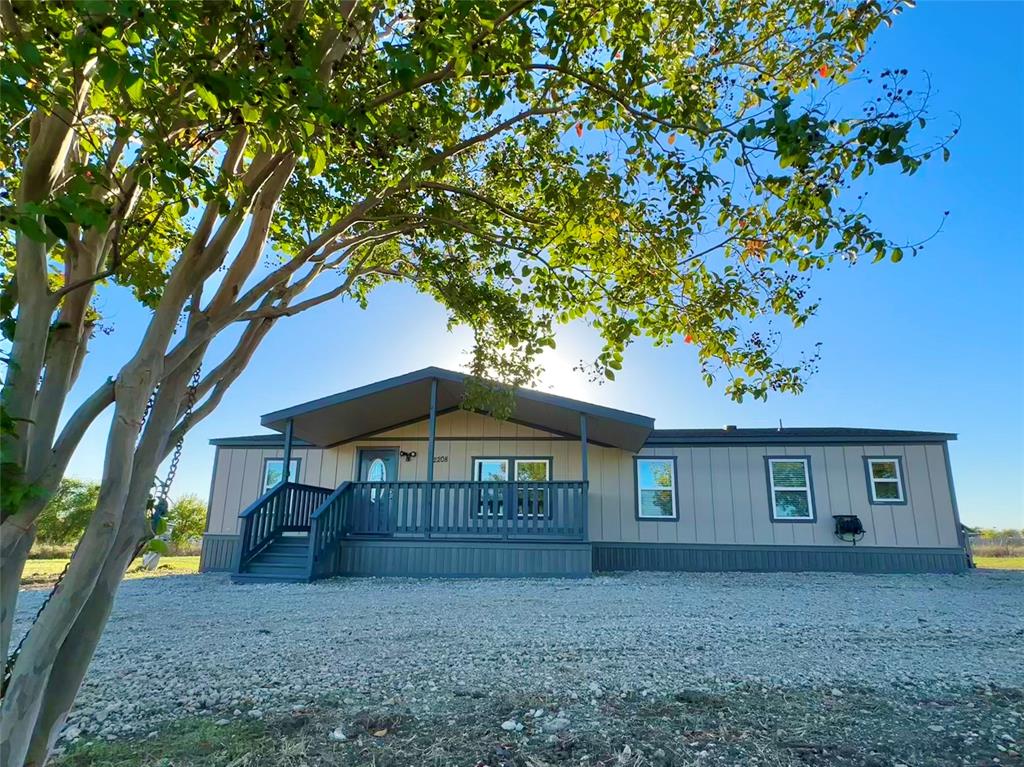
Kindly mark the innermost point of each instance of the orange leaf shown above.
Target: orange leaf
(687, 339)
(823, 70)
(579, 129)
(671, 139)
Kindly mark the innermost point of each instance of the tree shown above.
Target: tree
(668, 169)
(187, 518)
(65, 516)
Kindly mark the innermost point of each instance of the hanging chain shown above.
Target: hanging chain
(160, 507)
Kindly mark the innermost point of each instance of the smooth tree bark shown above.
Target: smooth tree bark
(234, 165)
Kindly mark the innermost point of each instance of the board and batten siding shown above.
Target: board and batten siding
(723, 497)
(722, 490)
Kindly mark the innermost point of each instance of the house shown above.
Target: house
(394, 478)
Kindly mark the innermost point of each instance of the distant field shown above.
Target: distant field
(43, 571)
(1000, 563)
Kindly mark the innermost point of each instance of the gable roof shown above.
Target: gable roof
(404, 399)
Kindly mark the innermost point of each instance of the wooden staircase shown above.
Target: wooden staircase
(283, 560)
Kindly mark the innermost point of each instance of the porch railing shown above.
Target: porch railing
(498, 510)
(520, 511)
(326, 529)
(286, 507)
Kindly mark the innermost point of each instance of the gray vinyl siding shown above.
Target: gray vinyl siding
(724, 500)
(682, 557)
(721, 490)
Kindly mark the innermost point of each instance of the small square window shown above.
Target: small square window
(789, 486)
(885, 480)
(273, 471)
(656, 488)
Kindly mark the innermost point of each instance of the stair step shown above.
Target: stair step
(266, 578)
(274, 556)
(259, 564)
(303, 545)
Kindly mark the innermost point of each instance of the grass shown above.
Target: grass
(749, 724)
(999, 563)
(39, 572)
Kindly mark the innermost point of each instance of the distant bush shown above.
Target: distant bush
(65, 517)
(998, 543)
(63, 521)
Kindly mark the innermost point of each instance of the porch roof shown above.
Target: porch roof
(405, 399)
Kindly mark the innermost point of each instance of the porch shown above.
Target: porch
(304, 531)
(298, 532)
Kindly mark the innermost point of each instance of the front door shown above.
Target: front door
(373, 502)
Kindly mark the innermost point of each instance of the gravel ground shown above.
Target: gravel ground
(198, 645)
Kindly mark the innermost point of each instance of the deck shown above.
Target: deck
(298, 532)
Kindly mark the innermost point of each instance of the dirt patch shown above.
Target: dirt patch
(747, 724)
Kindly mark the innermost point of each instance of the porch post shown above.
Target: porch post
(287, 462)
(584, 475)
(432, 431)
(583, 447)
(428, 507)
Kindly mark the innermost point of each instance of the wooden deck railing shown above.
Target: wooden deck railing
(286, 507)
(326, 529)
(520, 511)
(498, 510)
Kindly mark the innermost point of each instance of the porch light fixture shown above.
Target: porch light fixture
(407, 455)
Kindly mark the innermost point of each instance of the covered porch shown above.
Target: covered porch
(494, 505)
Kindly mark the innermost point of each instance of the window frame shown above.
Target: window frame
(637, 489)
(510, 465)
(280, 459)
(901, 481)
(511, 462)
(809, 489)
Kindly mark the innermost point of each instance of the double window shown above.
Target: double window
(789, 488)
(530, 501)
(273, 472)
(656, 488)
(885, 480)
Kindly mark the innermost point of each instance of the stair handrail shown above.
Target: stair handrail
(249, 516)
(316, 529)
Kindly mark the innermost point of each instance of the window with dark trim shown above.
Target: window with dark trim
(789, 488)
(655, 487)
(530, 501)
(885, 479)
(273, 469)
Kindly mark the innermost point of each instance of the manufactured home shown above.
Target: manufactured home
(395, 478)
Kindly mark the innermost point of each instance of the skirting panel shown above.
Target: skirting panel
(609, 557)
(464, 559)
(218, 553)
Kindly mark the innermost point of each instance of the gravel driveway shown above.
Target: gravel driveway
(177, 646)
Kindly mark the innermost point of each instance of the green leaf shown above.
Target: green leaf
(208, 97)
(319, 161)
(57, 226)
(133, 86)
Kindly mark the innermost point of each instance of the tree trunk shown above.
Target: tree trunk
(14, 550)
(21, 704)
(78, 648)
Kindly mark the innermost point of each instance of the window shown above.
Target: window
(530, 501)
(524, 469)
(789, 483)
(885, 480)
(272, 469)
(490, 469)
(656, 488)
(533, 469)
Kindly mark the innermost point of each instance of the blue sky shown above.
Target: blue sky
(934, 343)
